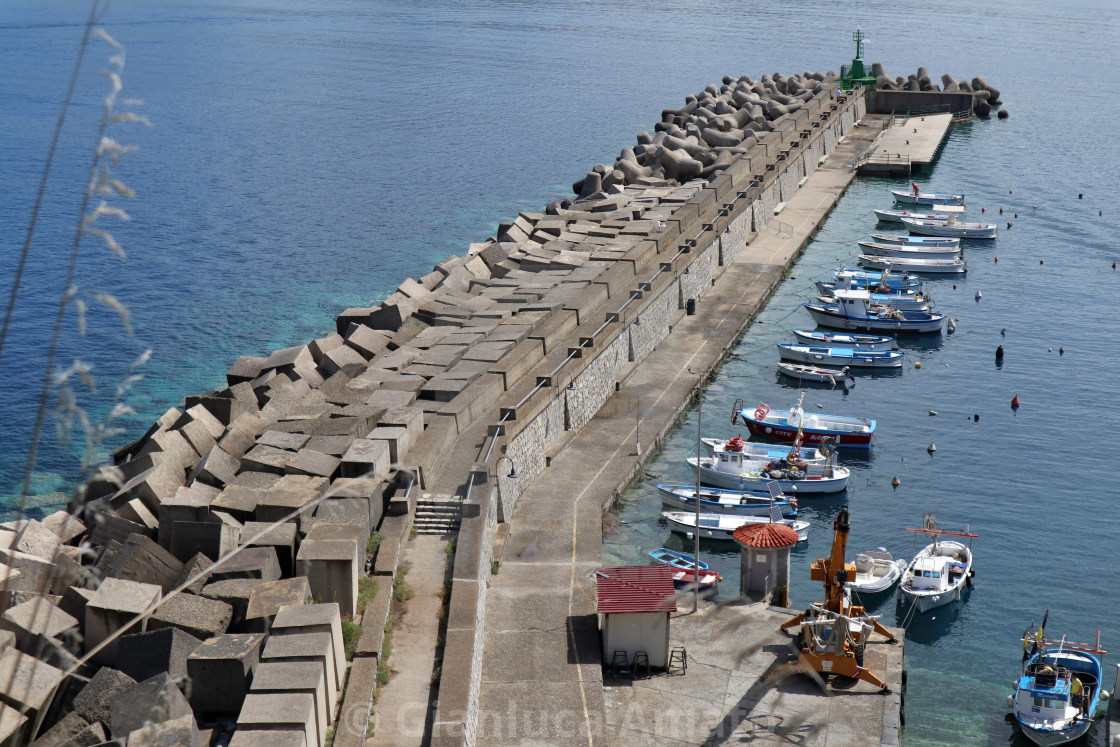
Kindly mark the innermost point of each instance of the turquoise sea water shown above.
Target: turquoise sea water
(302, 160)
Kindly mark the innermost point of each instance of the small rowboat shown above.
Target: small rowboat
(895, 216)
(679, 560)
(895, 238)
(827, 356)
(763, 452)
(876, 571)
(862, 342)
(750, 475)
(734, 502)
(687, 578)
(826, 375)
(936, 266)
(783, 425)
(906, 250)
(890, 280)
(721, 526)
(925, 198)
(943, 227)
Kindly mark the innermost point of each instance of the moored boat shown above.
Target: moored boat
(906, 300)
(940, 571)
(746, 474)
(914, 251)
(707, 580)
(949, 227)
(722, 526)
(1057, 695)
(896, 216)
(793, 425)
(904, 239)
(937, 266)
(853, 310)
(876, 571)
(678, 560)
(863, 278)
(837, 356)
(734, 502)
(925, 198)
(823, 374)
(863, 342)
(762, 452)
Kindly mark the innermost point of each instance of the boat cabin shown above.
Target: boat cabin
(853, 302)
(930, 573)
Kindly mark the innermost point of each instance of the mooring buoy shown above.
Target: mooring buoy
(1015, 402)
(999, 353)
(896, 482)
(975, 418)
(932, 447)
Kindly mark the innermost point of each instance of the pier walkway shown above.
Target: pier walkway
(542, 680)
(908, 143)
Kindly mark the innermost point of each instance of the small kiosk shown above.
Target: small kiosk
(634, 607)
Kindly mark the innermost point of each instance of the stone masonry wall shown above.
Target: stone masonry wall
(790, 179)
(734, 237)
(698, 280)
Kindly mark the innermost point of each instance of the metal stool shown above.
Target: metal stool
(679, 657)
(619, 664)
(641, 659)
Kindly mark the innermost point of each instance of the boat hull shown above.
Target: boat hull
(860, 342)
(925, 267)
(751, 503)
(828, 315)
(904, 240)
(683, 522)
(954, 230)
(802, 372)
(829, 357)
(836, 483)
(925, 198)
(904, 251)
(1048, 738)
(928, 599)
(764, 452)
(896, 216)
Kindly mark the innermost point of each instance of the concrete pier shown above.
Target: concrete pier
(906, 144)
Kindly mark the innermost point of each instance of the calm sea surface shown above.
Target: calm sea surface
(304, 160)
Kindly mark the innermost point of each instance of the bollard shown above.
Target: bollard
(690, 307)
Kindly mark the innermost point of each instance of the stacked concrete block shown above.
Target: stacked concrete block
(281, 712)
(156, 699)
(305, 647)
(267, 598)
(296, 677)
(34, 622)
(114, 605)
(141, 559)
(280, 537)
(223, 667)
(332, 558)
(93, 703)
(199, 616)
(145, 655)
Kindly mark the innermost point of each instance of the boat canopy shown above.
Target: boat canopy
(929, 572)
(948, 208)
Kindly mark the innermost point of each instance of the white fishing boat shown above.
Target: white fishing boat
(843, 339)
(853, 310)
(896, 216)
(722, 526)
(904, 239)
(763, 452)
(915, 197)
(940, 572)
(961, 230)
(876, 571)
(682, 497)
(735, 472)
(830, 356)
(906, 300)
(823, 374)
(915, 251)
(924, 266)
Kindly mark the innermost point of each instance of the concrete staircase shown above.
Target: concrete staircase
(438, 514)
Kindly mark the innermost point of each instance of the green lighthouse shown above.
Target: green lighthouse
(851, 75)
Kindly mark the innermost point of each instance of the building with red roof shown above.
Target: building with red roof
(634, 605)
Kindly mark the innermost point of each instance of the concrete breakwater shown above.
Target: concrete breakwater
(984, 97)
(199, 553)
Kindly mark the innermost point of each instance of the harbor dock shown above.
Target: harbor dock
(906, 143)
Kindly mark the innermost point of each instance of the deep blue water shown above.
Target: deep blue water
(305, 160)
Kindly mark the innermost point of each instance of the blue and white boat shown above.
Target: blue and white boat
(915, 251)
(925, 198)
(829, 356)
(924, 226)
(722, 526)
(908, 299)
(933, 266)
(679, 560)
(1058, 693)
(735, 502)
(862, 278)
(853, 310)
(763, 452)
(904, 239)
(896, 216)
(841, 339)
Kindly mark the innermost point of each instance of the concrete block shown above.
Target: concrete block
(336, 360)
(30, 537)
(314, 463)
(71, 731)
(263, 458)
(93, 702)
(195, 573)
(296, 677)
(74, 601)
(201, 617)
(521, 359)
(330, 567)
(152, 486)
(235, 592)
(329, 425)
(145, 655)
(246, 737)
(282, 440)
(246, 368)
(211, 538)
(367, 341)
(34, 621)
(65, 526)
(155, 699)
(314, 618)
(323, 345)
(279, 712)
(305, 647)
(178, 732)
(396, 438)
(198, 435)
(410, 418)
(391, 316)
(188, 504)
(366, 457)
(348, 511)
(224, 409)
(175, 446)
(390, 398)
(334, 446)
(279, 504)
(29, 684)
(217, 468)
(137, 512)
(281, 538)
(115, 604)
(142, 560)
(286, 360)
(258, 563)
(266, 599)
(239, 501)
(224, 664)
(370, 491)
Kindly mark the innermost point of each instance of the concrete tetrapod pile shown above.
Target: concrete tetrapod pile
(160, 592)
(984, 96)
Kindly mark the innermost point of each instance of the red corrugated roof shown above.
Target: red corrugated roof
(765, 535)
(642, 588)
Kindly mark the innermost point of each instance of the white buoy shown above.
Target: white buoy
(979, 295)
(932, 447)
(933, 412)
(952, 326)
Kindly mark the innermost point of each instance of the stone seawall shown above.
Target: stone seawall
(237, 510)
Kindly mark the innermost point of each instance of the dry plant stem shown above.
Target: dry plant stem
(94, 12)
